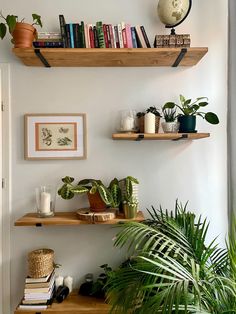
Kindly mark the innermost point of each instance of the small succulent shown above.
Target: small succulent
(169, 114)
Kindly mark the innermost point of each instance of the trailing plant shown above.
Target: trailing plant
(189, 108)
(9, 22)
(172, 269)
(169, 114)
(110, 195)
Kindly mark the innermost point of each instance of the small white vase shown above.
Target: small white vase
(170, 127)
(149, 123)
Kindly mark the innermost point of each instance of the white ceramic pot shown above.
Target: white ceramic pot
(170, 127)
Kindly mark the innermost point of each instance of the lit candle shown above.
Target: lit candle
(68, 282)
(45, 201)
(149, 123)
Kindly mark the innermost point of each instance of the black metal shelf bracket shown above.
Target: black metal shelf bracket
(180, 57)
(140, 137)
(182, 137)
(38, 224)
(41, 57)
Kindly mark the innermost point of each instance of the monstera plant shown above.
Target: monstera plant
(172, 268)
(99, 195)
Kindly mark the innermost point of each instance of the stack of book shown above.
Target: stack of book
(100, 35)
(172, 41)
(48, 40)
(38, 292)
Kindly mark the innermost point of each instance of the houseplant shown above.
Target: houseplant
(23, 33)
(173, 269)
(189, 110)
(171, 125)
(99, 195)
(129, 197)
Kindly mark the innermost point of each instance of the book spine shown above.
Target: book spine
(100, 35)
(91, 36)
(83, 35)
(62, 28)
(50, 44)
(95, 33)
(140, 36)
(111, 36)
(105, 35)
(72, 44)
(120, 36)
(128, 35)
(116, 36)
(134, 40)
(145, 36)
(124, 35)
(68, 36)
(108, 36)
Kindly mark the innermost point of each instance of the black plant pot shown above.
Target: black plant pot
(187, 124)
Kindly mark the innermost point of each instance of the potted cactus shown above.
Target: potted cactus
(129, 200)
(23, 33)
(99, 195)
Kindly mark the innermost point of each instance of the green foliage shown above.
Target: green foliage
(154, 110)
(172, 269)
(11, 20)
(189, 108)
(169, 114)
(128, 197)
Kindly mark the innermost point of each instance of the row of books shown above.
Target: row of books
(172, 41)
(100, 35)
(38, 292)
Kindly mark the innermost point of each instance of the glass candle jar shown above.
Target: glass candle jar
(127, 121)
(45, 201)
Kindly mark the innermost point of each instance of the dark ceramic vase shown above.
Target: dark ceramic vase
(187, 124)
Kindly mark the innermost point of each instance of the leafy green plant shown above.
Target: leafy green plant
(169, 114)
(128, 197)
(110, 195)
(9, 22)
(100, 285)
(153, 110)
(172, 268)
(189, 108)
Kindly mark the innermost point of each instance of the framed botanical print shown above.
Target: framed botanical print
(55, 136)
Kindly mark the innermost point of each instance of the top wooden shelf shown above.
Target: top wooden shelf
(110, 57)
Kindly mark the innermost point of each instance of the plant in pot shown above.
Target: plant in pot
(173, 268)
(189, 111)
(99, 195)
(23, 33)
(171, 125)
(140, 116)
(129, 199)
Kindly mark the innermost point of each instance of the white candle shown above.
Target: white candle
(149, 123)
(45, 200)
(128, 124)
(68, 282)
(59, 281)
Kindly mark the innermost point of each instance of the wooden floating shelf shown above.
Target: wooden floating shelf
(73, 304)
(159, 136)
(66, 219)
(110, 57)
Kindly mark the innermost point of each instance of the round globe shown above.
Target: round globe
(173, 12)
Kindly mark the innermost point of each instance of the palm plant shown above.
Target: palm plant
(172, 269)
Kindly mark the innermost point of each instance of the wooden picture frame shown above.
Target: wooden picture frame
(55, 136)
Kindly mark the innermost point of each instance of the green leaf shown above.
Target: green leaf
(3, 30)
(37, 19)
(187, 102)
(182, 99)
(11, 22)
(79, 189)
(66, 192)
(169, 105)
(68, 179)
(211, 118)
(105, 194)
(203, 104)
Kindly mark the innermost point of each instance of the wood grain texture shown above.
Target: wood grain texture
(67, 218)
(110, 57)
(94, 217)
(74, 304)
(159, 136)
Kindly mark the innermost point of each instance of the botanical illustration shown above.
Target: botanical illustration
(56, 136)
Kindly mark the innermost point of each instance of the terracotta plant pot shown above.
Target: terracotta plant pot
(23, 35)
(96, 203)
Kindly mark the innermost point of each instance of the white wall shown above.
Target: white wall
(194, 171)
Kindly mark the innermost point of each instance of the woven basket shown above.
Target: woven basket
(141, 124)
(40, 263)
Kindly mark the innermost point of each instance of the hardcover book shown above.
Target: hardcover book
(63, 30)
(145, 36)
(100, 35)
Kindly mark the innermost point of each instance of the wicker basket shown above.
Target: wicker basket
(141, 124)
(40, 263)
